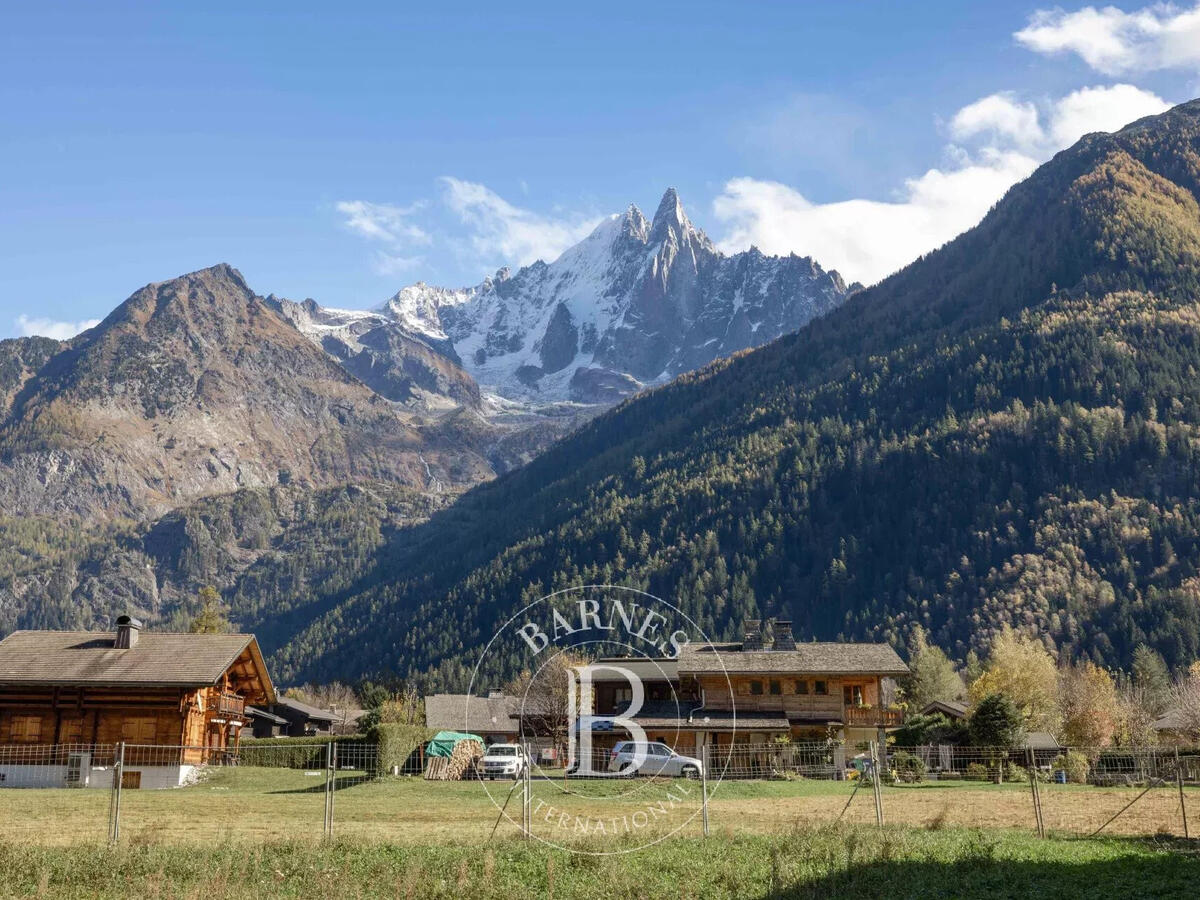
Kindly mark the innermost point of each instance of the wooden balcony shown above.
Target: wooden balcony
(873, 718)
(231, 705)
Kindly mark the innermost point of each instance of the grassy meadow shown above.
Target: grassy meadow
(262, 805)
(825, 861)
(250, 831)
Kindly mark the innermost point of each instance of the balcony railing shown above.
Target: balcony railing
(874, 718)
(231, 705)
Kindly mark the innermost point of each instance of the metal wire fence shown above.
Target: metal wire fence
(306, 790)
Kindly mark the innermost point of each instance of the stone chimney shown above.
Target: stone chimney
(783, 635)
(752, 636)
(128, 629)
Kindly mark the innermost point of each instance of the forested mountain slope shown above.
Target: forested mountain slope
(1005, 432)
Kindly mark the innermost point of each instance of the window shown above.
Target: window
(775, 687)
(756, 687)
(623, 695)
(820, 687)
(801, 687)
(852, 695)
(26, 729)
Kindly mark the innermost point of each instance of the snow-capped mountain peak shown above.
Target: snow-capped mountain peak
(636, 302)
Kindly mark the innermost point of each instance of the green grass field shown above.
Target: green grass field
(259, 805)
(249, 831)
(828, 861)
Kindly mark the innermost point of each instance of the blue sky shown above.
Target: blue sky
(342, 151)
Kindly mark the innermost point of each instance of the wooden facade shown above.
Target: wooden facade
(754, 691)
(802, 698)
(169, 708)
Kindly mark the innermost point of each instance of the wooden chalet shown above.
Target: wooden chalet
(756, 691)
(175, 700)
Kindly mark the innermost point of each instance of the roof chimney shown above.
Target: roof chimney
(752, 637)
(128, 629)
(783, 635)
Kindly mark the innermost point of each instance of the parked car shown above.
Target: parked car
(659, 760)
(503, 761)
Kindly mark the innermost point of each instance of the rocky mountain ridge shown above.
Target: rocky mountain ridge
(194, 387)
(635, 303)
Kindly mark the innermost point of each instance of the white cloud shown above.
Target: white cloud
(999, 116)
(1100, 109)
(503, 232)
(868, 239)
(383, 222)
(483, 228)
(28, 326)
(1114, 42)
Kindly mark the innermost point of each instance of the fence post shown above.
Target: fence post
(1035, 791)
(1179, 784)
(704, 754)
(526, 802)
(876, 783)
(114, 806)
(333, 786)
(327, 826)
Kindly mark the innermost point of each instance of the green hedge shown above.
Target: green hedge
(291, 753)
(398, 745)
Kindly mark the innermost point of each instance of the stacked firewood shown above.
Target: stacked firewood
(462, 763)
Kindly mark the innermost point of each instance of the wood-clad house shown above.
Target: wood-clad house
(755, 691)
(175, 700)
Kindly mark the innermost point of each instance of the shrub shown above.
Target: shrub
(1015, 772)
(398, 746)
(907, 767)
(977, 771)
(290, 753)
(1075, 764)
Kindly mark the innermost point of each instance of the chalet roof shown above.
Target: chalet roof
(255, 713)
(1041, 740)
(826, 658)
(645, 668)
(458, 712)
(161, 659)
(1171, 720)
(951, 708)
(307, 710)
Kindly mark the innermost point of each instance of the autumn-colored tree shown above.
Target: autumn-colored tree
(1151, 677)
(1088, 706)
(544, 697)
(1185, 703)
(213, 615)
(1135, 723)
(406, 707)
(1022, 670)
(933, 675)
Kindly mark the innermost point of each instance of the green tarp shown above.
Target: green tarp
(443, 742)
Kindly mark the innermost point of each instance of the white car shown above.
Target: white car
(659, 760)
(503, 761)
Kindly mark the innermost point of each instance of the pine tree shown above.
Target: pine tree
(213, 615)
